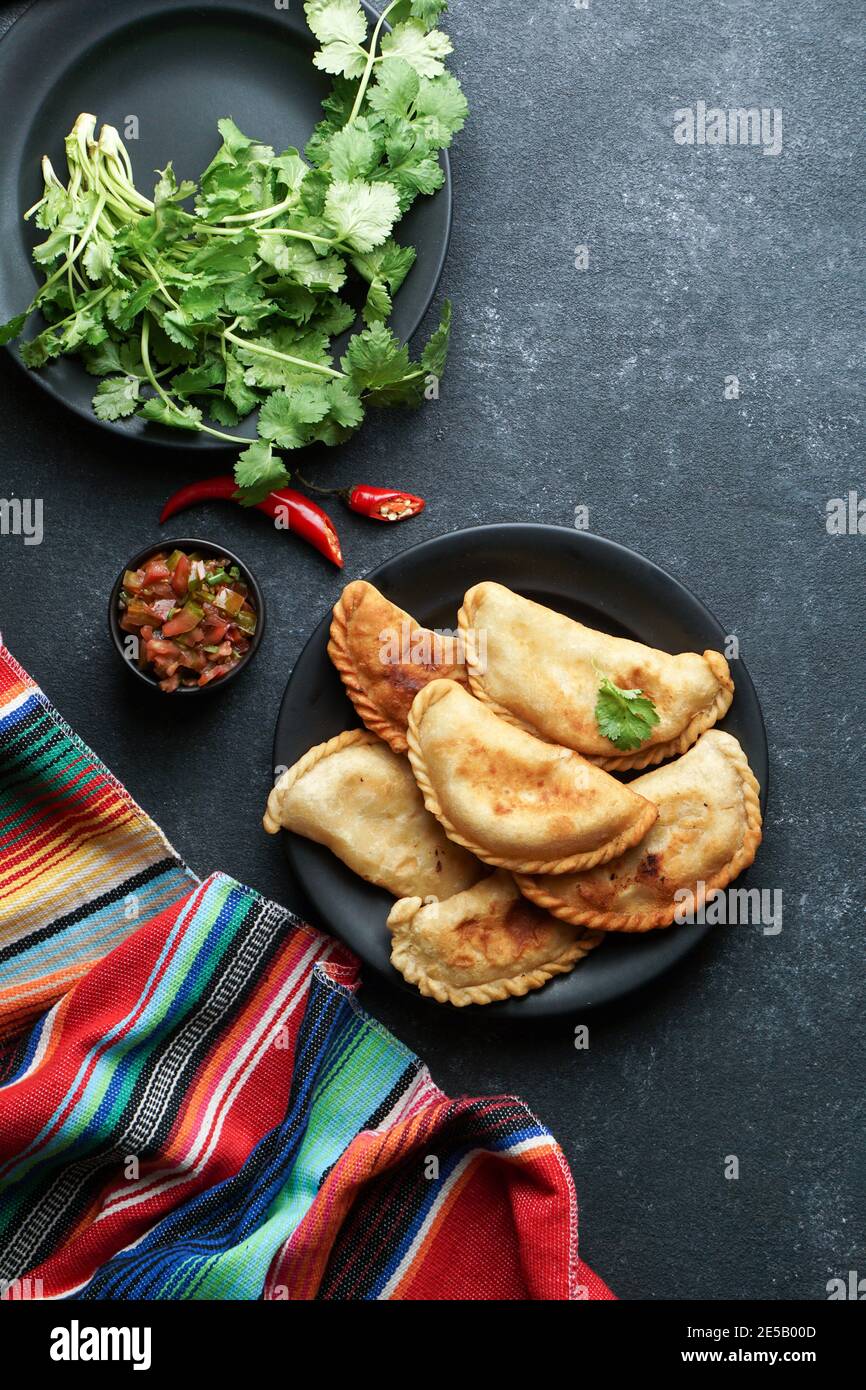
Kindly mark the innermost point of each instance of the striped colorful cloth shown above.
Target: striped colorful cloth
(205, 1111)
(81, 865)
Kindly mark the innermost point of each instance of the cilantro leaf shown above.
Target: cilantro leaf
(411, 166)
(375, 358)
(269, 369)
(196, 380)
(168, 190)
(332, 316)
(180, 327)
(378, 364)
(70, 225)
(298, 261)
(123, 309)
(117, 397)
(159, 412)
(237, 391)
(378, 303)
(285, 415)
(344, 404)
(223, 412)
(201, 303)
(389, 262)
(626, 717)
(41, 349)
(361, 214)
(341, 28)
(85, 325)
(165, 352)
(55, 204)
(98, 259)
(290, 171)
(428, 11)
(258, 471)
(435, 354)
(104, 360)
(10, 331)
(354, 152)
(441, 108)
(397, 89)
(423, 51)
(340, 100)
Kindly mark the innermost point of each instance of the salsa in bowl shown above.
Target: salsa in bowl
(186, 615)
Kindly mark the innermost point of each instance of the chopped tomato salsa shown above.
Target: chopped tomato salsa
(194, 617)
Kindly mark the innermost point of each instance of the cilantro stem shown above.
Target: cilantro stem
(155, 275)
(166, 398)
(292, 232)
(371, 58)
(284, 356)
(208, 230)
(261, 215)
(97, 299)
(121, 196)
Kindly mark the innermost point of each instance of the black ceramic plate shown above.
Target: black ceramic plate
(582, 575)
(178, 67)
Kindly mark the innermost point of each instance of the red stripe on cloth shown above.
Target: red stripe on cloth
(523, 1206)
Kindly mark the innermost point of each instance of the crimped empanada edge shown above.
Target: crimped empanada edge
(403, 914)
(648, 756)
(576, 863)
(339, 650)
(663, 917)
(271, 819)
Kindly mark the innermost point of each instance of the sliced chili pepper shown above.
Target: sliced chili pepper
(296, 512)
(378, 503)
(384, 503)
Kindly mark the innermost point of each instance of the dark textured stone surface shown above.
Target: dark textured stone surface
(604, 388)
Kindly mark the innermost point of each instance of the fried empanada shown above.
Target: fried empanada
(541, 671)
(707, 833)
(359, 799)
(516, 802)
(482, 945)
(384, 658)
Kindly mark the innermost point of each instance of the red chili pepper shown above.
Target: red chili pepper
(384, 503)
(223, 489)
(296, 512)
(306, 519)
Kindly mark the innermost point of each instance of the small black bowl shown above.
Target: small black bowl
(206, 548)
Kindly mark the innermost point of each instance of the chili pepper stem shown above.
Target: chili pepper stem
(342, 492)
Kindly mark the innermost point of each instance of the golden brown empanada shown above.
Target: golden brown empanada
(384, 658)
(482, 945)
(360, 799)
(708, 832)
(541, 671)
(516, 802)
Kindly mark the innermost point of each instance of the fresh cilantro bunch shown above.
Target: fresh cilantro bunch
(195, 318)
(626, 717)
